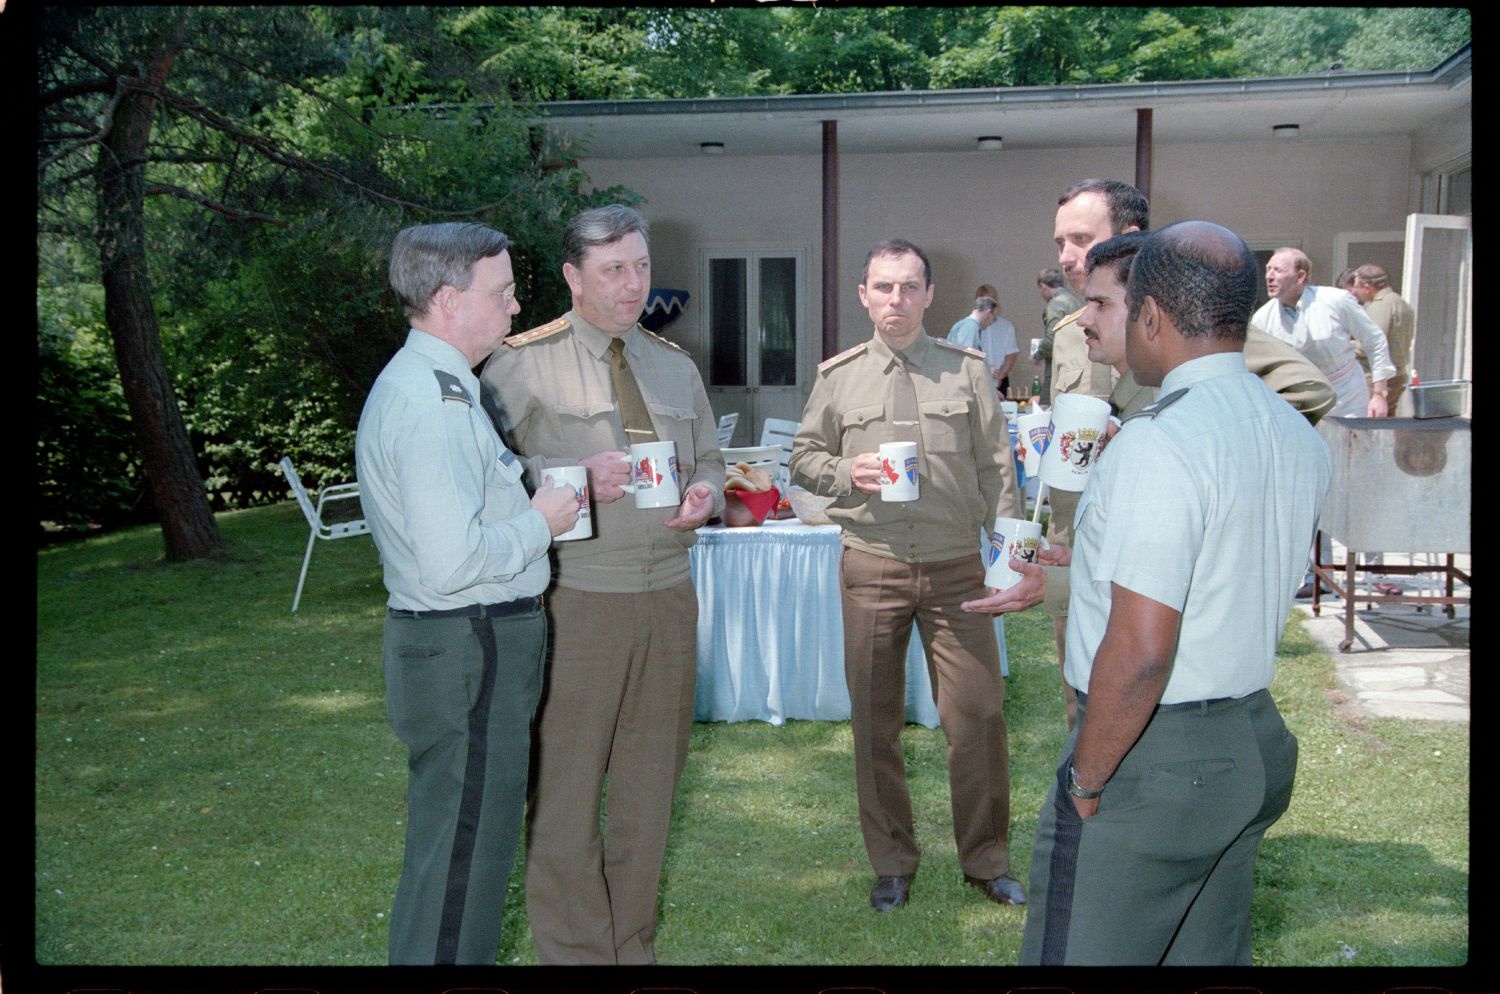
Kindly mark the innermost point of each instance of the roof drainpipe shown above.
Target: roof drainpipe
(830, 239)
(1143, 151)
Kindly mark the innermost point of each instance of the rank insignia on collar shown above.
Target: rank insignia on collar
(451, 388)
(1152, 410)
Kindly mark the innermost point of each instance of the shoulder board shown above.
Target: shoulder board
(843, 356)
(1072, 317)
(1152, 410)
(538, 333)
(451, 387)
(951, 346)
(662, 341)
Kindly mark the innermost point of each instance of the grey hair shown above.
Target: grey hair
(601, 226)
(427, 257)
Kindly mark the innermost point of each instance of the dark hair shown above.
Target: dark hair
(1127, 205)
(986, 304)
(1051, 276)
(897, 246)
(1201, 274)
(601, 226)
(1117, 252)
(1345, 279)
(427, 257)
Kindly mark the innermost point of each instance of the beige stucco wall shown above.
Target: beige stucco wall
(987, 217)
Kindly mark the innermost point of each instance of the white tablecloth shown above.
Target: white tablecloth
(771, 632)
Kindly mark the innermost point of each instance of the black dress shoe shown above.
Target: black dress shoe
(1004, 889)
(1304, 592)
(889, 893)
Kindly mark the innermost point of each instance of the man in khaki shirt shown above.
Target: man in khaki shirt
(619, 696)
(1372, 288)
(915, 562)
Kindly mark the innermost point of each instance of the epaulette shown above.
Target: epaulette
(1074, 316)
(1152, 410)
(945, 343)
(538, 333)
(451, 387)
(657, 338)
(843, 356)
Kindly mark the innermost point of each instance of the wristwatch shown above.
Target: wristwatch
(1079, 792)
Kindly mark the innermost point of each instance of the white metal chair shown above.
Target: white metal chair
(776, 431)
(726, 428)
(314, 515)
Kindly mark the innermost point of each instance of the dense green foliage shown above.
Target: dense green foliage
(565, 53)
(293, 150)
(282, 165)
(221, 787)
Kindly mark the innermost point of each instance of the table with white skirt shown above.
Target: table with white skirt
(771, 630)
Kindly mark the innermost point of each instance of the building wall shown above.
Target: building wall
(987, 216)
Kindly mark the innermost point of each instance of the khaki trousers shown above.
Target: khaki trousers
(881, 600)
(617, 711)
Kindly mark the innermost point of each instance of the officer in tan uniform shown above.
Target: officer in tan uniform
(619, 698)
(915, 562)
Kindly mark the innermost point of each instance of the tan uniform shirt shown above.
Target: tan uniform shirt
(969, 479)
(551, 395)
(1072, 372)
(1396, 318)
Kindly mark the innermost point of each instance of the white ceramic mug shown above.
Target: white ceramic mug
(576, 477)
(1010, 536)
(1078, 424)
(1031, 431)
(653, 474)
(898, 471)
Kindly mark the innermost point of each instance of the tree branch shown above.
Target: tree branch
(77, 88)
(233, 213)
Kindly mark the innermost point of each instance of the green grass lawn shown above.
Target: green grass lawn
(216, 785)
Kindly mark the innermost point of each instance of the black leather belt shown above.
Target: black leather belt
(504, 609)
(1205, 706)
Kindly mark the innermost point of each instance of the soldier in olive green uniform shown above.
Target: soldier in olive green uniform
(914, 562)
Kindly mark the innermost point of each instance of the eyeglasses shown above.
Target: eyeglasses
(506, 295)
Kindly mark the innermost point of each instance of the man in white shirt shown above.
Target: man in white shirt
(998, 343)
(1318, 322)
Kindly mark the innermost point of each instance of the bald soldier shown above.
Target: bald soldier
(1180, 761)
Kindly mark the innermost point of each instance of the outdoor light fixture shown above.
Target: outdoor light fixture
(991, 143)
(1285, 130)
(711, 148)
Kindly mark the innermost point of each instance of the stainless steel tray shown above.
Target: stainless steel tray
(1439, 399)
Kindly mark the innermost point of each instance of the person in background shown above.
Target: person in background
(965, 331)
(998, 343)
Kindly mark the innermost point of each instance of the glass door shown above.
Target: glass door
(756, 336)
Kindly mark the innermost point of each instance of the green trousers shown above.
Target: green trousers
(1162, 873)
(460, 693)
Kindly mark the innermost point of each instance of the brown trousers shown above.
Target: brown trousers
(618, 706)
(881, 600)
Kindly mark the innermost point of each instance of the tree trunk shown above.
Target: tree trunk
(187, 524)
